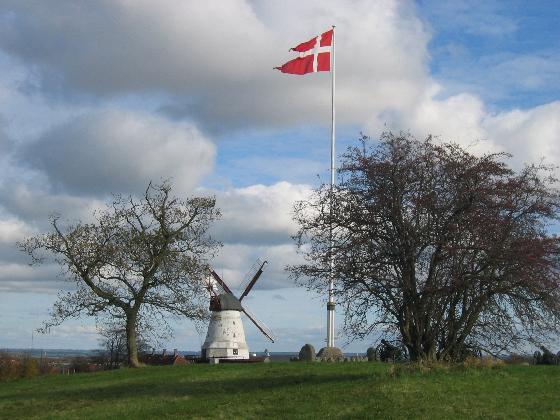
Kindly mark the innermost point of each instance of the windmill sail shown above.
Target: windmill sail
(211, 285)
(250, 274)
(260, 325)
(222, 284)
(253, 280)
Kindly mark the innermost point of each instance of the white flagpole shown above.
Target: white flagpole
(330, 303)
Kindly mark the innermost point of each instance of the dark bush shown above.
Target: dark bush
(9, 366)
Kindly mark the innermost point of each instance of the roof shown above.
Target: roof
(161, 360)
(228, 302)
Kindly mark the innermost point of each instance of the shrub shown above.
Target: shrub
(518, 359)
(29, 368)
(482, 362)
(16, 366)
(9, 366)
(403, 369)
(470, 363)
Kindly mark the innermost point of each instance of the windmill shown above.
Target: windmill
(226, 337)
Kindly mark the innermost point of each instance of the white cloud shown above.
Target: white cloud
(531, 135)
(20, 277)
(64, 331)
(457, 118)
(257, 224)
(12, 230)
(34, 203)
(258, 214)
(111, 46)
(221, 73)
(15, 271)
(235, 261)
(120, 151)
(12, 260)
(5, 143)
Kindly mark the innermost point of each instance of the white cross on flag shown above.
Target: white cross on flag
(314, 56)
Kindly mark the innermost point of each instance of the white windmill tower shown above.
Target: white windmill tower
(226, 337)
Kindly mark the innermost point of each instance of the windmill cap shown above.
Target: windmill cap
(228, 302)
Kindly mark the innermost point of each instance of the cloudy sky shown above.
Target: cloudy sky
(99, 97)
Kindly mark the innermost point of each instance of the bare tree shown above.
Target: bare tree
(443, 249)
(151, 330)
(143, 256)
(113, 340)
(112, 331)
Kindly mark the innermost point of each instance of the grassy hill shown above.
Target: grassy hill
(292, 390)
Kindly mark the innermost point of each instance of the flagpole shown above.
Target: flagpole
(330, 303)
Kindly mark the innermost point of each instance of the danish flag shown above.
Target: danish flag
(314, 56)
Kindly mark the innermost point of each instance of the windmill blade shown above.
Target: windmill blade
(222, 284)
(210, 286)
(249, 274)
(261, 326)
(253, 281)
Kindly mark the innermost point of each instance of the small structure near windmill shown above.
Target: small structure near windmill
(163, 359)
(225, 339)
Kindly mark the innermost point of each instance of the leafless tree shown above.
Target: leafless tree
(113, 341)
(447, 251)
(112, 331)
(140, 257)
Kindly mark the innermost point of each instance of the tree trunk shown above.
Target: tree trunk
(418, 340)
(131, 344)
(111, 355)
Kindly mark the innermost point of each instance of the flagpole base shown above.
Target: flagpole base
(330, 354)
(330, 324)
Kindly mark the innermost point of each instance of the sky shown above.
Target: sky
(100, 97)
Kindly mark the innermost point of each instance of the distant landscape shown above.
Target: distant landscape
(68, 353)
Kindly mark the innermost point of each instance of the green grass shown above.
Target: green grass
(288, 390)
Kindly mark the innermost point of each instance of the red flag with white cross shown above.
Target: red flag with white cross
(314, 56)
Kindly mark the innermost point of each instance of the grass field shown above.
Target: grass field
(289, 390)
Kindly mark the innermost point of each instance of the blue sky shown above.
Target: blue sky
(101, 97)
(506, 52)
